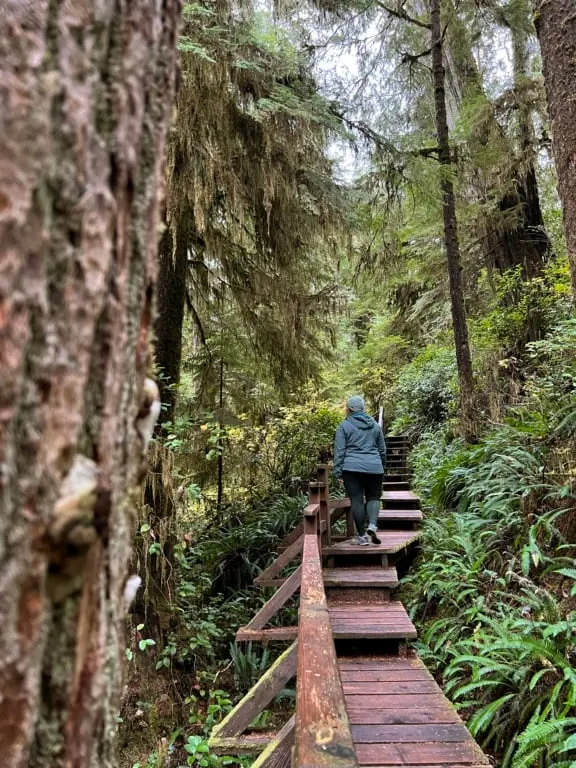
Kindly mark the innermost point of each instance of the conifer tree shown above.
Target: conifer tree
(556, 25)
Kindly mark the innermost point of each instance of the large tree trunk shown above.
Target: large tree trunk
(515, 232)
(556, 26)
(85, 93)
(170, 317)
(459, 322)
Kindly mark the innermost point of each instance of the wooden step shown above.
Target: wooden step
(396, 485)
(388, 621)
(400, 516)
(391, 542)
(399, 716)
(360, 577)
(400, 500)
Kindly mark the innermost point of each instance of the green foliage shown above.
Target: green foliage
(282, 455)
(425, 391)
(199, 754)
(495, 623)
(521, 305)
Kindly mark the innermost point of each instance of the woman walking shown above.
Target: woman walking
(359, 460)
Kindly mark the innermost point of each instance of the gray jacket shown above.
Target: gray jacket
(359, 446)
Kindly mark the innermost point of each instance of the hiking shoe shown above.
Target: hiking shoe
(372, 532)
(361, 541)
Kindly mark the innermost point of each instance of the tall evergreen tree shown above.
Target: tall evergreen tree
(556, 25)
(451, 242)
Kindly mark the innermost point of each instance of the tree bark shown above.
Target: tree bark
(85, 94)
(459, 322)
(555, 22)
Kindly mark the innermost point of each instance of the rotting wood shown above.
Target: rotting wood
(278, 753)
(323, 736)
(244, 744)
(258, 697)
(272, 634)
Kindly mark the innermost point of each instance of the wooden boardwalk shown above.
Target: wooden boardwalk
(363, 697)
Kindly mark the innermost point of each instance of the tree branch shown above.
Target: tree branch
(400, 13)
(413, 57)
(382, 143)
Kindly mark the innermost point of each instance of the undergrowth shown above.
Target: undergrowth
(494, 591)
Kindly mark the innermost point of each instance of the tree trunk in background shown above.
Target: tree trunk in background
(522, 241)
(153, 606)
(556, 26)
(86, 92)
(459, 321)
(169, 322)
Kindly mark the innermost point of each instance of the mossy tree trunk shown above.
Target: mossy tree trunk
(459, 320)
(85, 93)
(517, 236)
(555, 22)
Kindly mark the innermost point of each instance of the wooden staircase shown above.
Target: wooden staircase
(363, 697)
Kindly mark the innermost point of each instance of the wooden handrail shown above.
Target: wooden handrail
(323, 736)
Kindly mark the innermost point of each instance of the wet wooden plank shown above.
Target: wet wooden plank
(400, 717)
(391, 542)
(379, 662)
(410, 733)
(400, 496)
(437, 754)
(392, 608)
(323, 736)
(400, 514)
(391, 687)
(396, 716)
(399, 701)
(360, 577)
(383, 676)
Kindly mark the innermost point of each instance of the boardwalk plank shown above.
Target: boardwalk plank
(377, 676)
(409, 733)
(391, 687)
(357, 577)
(437, 754)
(397, 716)
(391, 542)
(393, 701)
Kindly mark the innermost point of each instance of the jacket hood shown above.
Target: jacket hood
(361, 420)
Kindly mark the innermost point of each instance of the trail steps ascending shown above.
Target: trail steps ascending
(371, 701)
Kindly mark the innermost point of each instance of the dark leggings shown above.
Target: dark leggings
(359, 485)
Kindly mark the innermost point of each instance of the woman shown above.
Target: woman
(359, 460)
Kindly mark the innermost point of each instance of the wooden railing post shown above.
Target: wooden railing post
(311, 521)
(324, 493)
